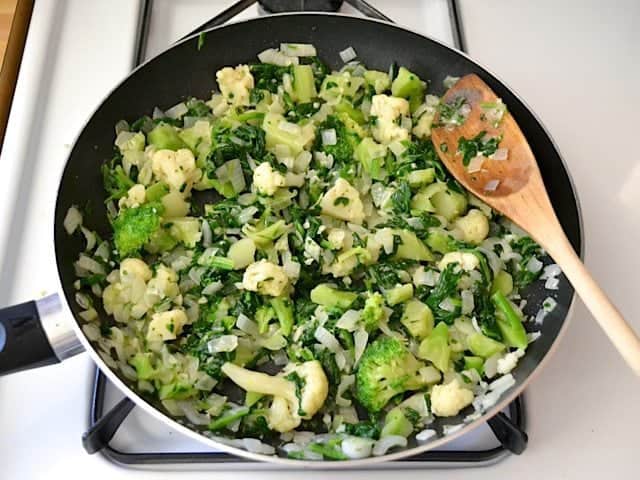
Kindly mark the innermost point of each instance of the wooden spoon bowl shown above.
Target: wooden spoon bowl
(514, 187)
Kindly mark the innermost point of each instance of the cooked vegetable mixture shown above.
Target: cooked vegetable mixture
(292, 266)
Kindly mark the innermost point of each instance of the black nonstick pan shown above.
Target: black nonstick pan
(29, 338)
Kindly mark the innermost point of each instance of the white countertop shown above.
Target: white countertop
(576, 63)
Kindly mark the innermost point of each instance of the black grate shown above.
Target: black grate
(509, 430)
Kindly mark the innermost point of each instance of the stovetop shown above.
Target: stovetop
(131, 437)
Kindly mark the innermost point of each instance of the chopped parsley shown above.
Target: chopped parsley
(470, 148)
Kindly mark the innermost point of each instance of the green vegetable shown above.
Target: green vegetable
(156, 191)
(503, 283)
(342, 151)
(408, 85)
(330, 450)
(364, 429)
(435, 347)
(399, 294)
(385, 370)
(476, 363)
(411, 247)
(371, 156)
(470, 148)
(226, 420)
(251, 398)
(116, 182)
(419, 178)
(284, 312)
(380, 81)
(396, 423)
(449, 204)
(304, 86)
(165, 136)
(483, 346)
(142, 363)
(417, 319)
(373, 313)
(510, 322)
(176, 391)
(355, 114)
(330, 297)
(440, 241)
(268, 76)
(528, 249)
(445, 288)
(133, 227)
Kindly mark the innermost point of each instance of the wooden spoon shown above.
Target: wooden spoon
(520, 195)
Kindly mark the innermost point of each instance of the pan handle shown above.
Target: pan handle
(35, 334)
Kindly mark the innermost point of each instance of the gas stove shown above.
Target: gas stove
(130, 437)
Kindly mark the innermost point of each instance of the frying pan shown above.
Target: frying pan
(30, 336)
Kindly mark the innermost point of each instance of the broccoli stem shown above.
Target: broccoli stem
(510, 322)
(330, 297)
(223, 263)
(225, 420)
(284, 312)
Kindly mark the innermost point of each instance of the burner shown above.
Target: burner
(279, 6)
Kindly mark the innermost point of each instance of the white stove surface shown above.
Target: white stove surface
(584, 403)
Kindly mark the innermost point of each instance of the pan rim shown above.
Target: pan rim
(505, 400)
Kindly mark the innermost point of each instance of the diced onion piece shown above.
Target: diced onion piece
(406, 123)
(475, 165)
(534, 265)
(90, 265)
(157, 113)
(345, 383)
(206, 234)
(500, 154)
(449, 429)
(348, 54)
(274, 57)
(223, 343)
(72, 220)
(447, 304)
(357, 447)
(533, 336)
(289, 127)
(491, 185)
(467, 302)
(329, 137)
(298, 49)
(90, 237)
(349, 320)
(385, 444)
(192, 414)
(549, 304)
(552, 283)
(360, 339)
(177, 111)
(550, 271)
(326, 338)
(450, 81)
(425, 435)
(247, 325)
(212, 288)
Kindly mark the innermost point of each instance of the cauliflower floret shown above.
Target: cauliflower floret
(174, 205)
(340, 239)
(474, 226)
(166, 325)
(342, 201)
(468, 261)
(134, 267)
(447, 400)
(176, 169)
(287, 410)
(135, 197)
(164, 284)
(235, 84)
(267, 180)
(509, 361)
(388, 111)
(266, 278)
(187, 230)
(423, 127)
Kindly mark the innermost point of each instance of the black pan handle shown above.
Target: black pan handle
(34, 334)
(508, 433)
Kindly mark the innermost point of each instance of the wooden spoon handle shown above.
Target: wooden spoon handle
(606, 314)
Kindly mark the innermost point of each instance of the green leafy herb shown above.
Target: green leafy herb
(470, 148)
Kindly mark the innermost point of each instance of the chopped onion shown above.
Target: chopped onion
(206, 234)
(450, 81)
(223, 343)
(502, 384)
(549, 304)
(500, 154)
(192, 414)
(298, 49)
(384, 236)
(360, 339)
(254, 445)
(349, 320)
(83, 301)
(425, 435)
(357, 447)
(280, 358)
(533, 336)
(90, 237)
(447, 304)
(552, 283)
(177, 111)
(157, 113)
(274, 57)
(406, 123)
(490, 366)
(72, 220)
(247, 325)
(384, 444)
(550, 271)
(467, 302)
(326, 338)
(348, 54)
(491, 185)
(289, 127)
(90, 265)
(534, 265)
(345, 383)
(329, 137)
(449, 429)
(475, 165)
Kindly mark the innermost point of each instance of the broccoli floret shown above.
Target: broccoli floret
(134, 227)
(365, 429)
(342, 151)
(373, 312)
(386, 369)
(116, 182)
